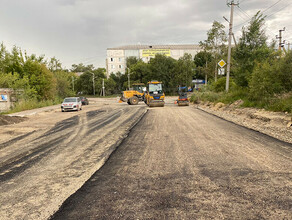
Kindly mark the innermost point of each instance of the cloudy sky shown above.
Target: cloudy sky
(76, 31)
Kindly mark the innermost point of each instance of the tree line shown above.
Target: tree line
(261, 75)
(258, 71)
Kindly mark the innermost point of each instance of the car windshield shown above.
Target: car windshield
(70, 100)
(155, 88)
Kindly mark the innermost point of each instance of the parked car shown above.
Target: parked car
(84, 100)
(71, 103)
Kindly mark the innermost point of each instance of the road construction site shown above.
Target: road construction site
(118, 161)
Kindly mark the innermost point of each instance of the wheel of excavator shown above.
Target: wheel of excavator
(134, 100)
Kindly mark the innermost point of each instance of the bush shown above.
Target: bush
(265, 82)
(220, 85)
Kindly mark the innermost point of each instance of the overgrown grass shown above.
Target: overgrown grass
(280, 103)
(32, 104)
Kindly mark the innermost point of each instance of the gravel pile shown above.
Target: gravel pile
(275, 124)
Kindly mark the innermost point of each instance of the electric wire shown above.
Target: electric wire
(246, 14)
(271, 6)
(278, 10)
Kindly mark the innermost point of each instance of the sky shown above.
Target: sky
(80, 31)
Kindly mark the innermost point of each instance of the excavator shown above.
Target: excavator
(134, 96)
(154, 97)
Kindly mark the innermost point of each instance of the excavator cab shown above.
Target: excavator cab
(154, 96)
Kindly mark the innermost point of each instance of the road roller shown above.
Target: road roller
(154, 96)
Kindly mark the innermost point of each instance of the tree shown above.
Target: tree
(77, 68)
(40, 79)
(54, 65)
(140, 72)
(162, 68)
(215, 43)
(184, 70)
(202, 62)
(252, 48)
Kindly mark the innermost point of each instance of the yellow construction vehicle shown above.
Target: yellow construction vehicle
(154, 97)
(132, 97)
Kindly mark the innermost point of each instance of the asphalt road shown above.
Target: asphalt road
(182, 163)
(46, 158)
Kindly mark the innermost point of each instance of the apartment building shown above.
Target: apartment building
(117, 56)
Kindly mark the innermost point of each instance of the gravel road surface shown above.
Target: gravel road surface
(46, 158)
(182, 163)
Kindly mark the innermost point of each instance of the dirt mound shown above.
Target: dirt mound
(6, 120)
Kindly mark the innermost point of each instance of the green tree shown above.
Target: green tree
(265, 81)
(140, 72)
(120, 81)
(54, 65)
(162, 68)
(215, 44)
(77, 68)
(184, 70)
(64, 83)
(202, 62)
(40, 79)
(252, 48)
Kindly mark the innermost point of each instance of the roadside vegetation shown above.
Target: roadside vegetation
(261, 75)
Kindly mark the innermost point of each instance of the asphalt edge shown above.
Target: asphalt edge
(251, 129)
(110, 151)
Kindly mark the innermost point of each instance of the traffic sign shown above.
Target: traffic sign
(221, 63)
(221, 71)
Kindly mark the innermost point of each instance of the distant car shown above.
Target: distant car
(71, 103)
(84, 100)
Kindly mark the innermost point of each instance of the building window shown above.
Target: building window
(113, 66)
(112, 59)
(120, 59)
(120, 66)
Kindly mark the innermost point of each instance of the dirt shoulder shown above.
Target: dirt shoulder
(274, 124)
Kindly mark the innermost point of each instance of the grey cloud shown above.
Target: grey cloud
(74, 30)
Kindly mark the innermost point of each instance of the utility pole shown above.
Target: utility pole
(129, 78)
(280, 38)
(103, 93)
(93, 85)
(73, 82)
(230, 34)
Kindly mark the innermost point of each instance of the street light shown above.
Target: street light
(93, 86)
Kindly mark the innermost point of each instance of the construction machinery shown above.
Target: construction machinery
(154, 97)
(135, 95)
(183, 96)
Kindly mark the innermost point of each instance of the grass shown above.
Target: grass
(32, 104)
(281, 103)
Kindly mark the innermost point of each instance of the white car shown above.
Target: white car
(71, 103)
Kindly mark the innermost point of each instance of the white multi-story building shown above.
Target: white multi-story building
(116, 57)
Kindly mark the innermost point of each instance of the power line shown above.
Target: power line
(278, 10)
(271, 6)
(243, 11)
(264, 11)
(240, 15)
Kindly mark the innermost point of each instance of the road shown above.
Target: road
(46, 158)
(175, 163)
(182, 163)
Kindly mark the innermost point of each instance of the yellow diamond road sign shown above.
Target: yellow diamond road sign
(221, 63)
